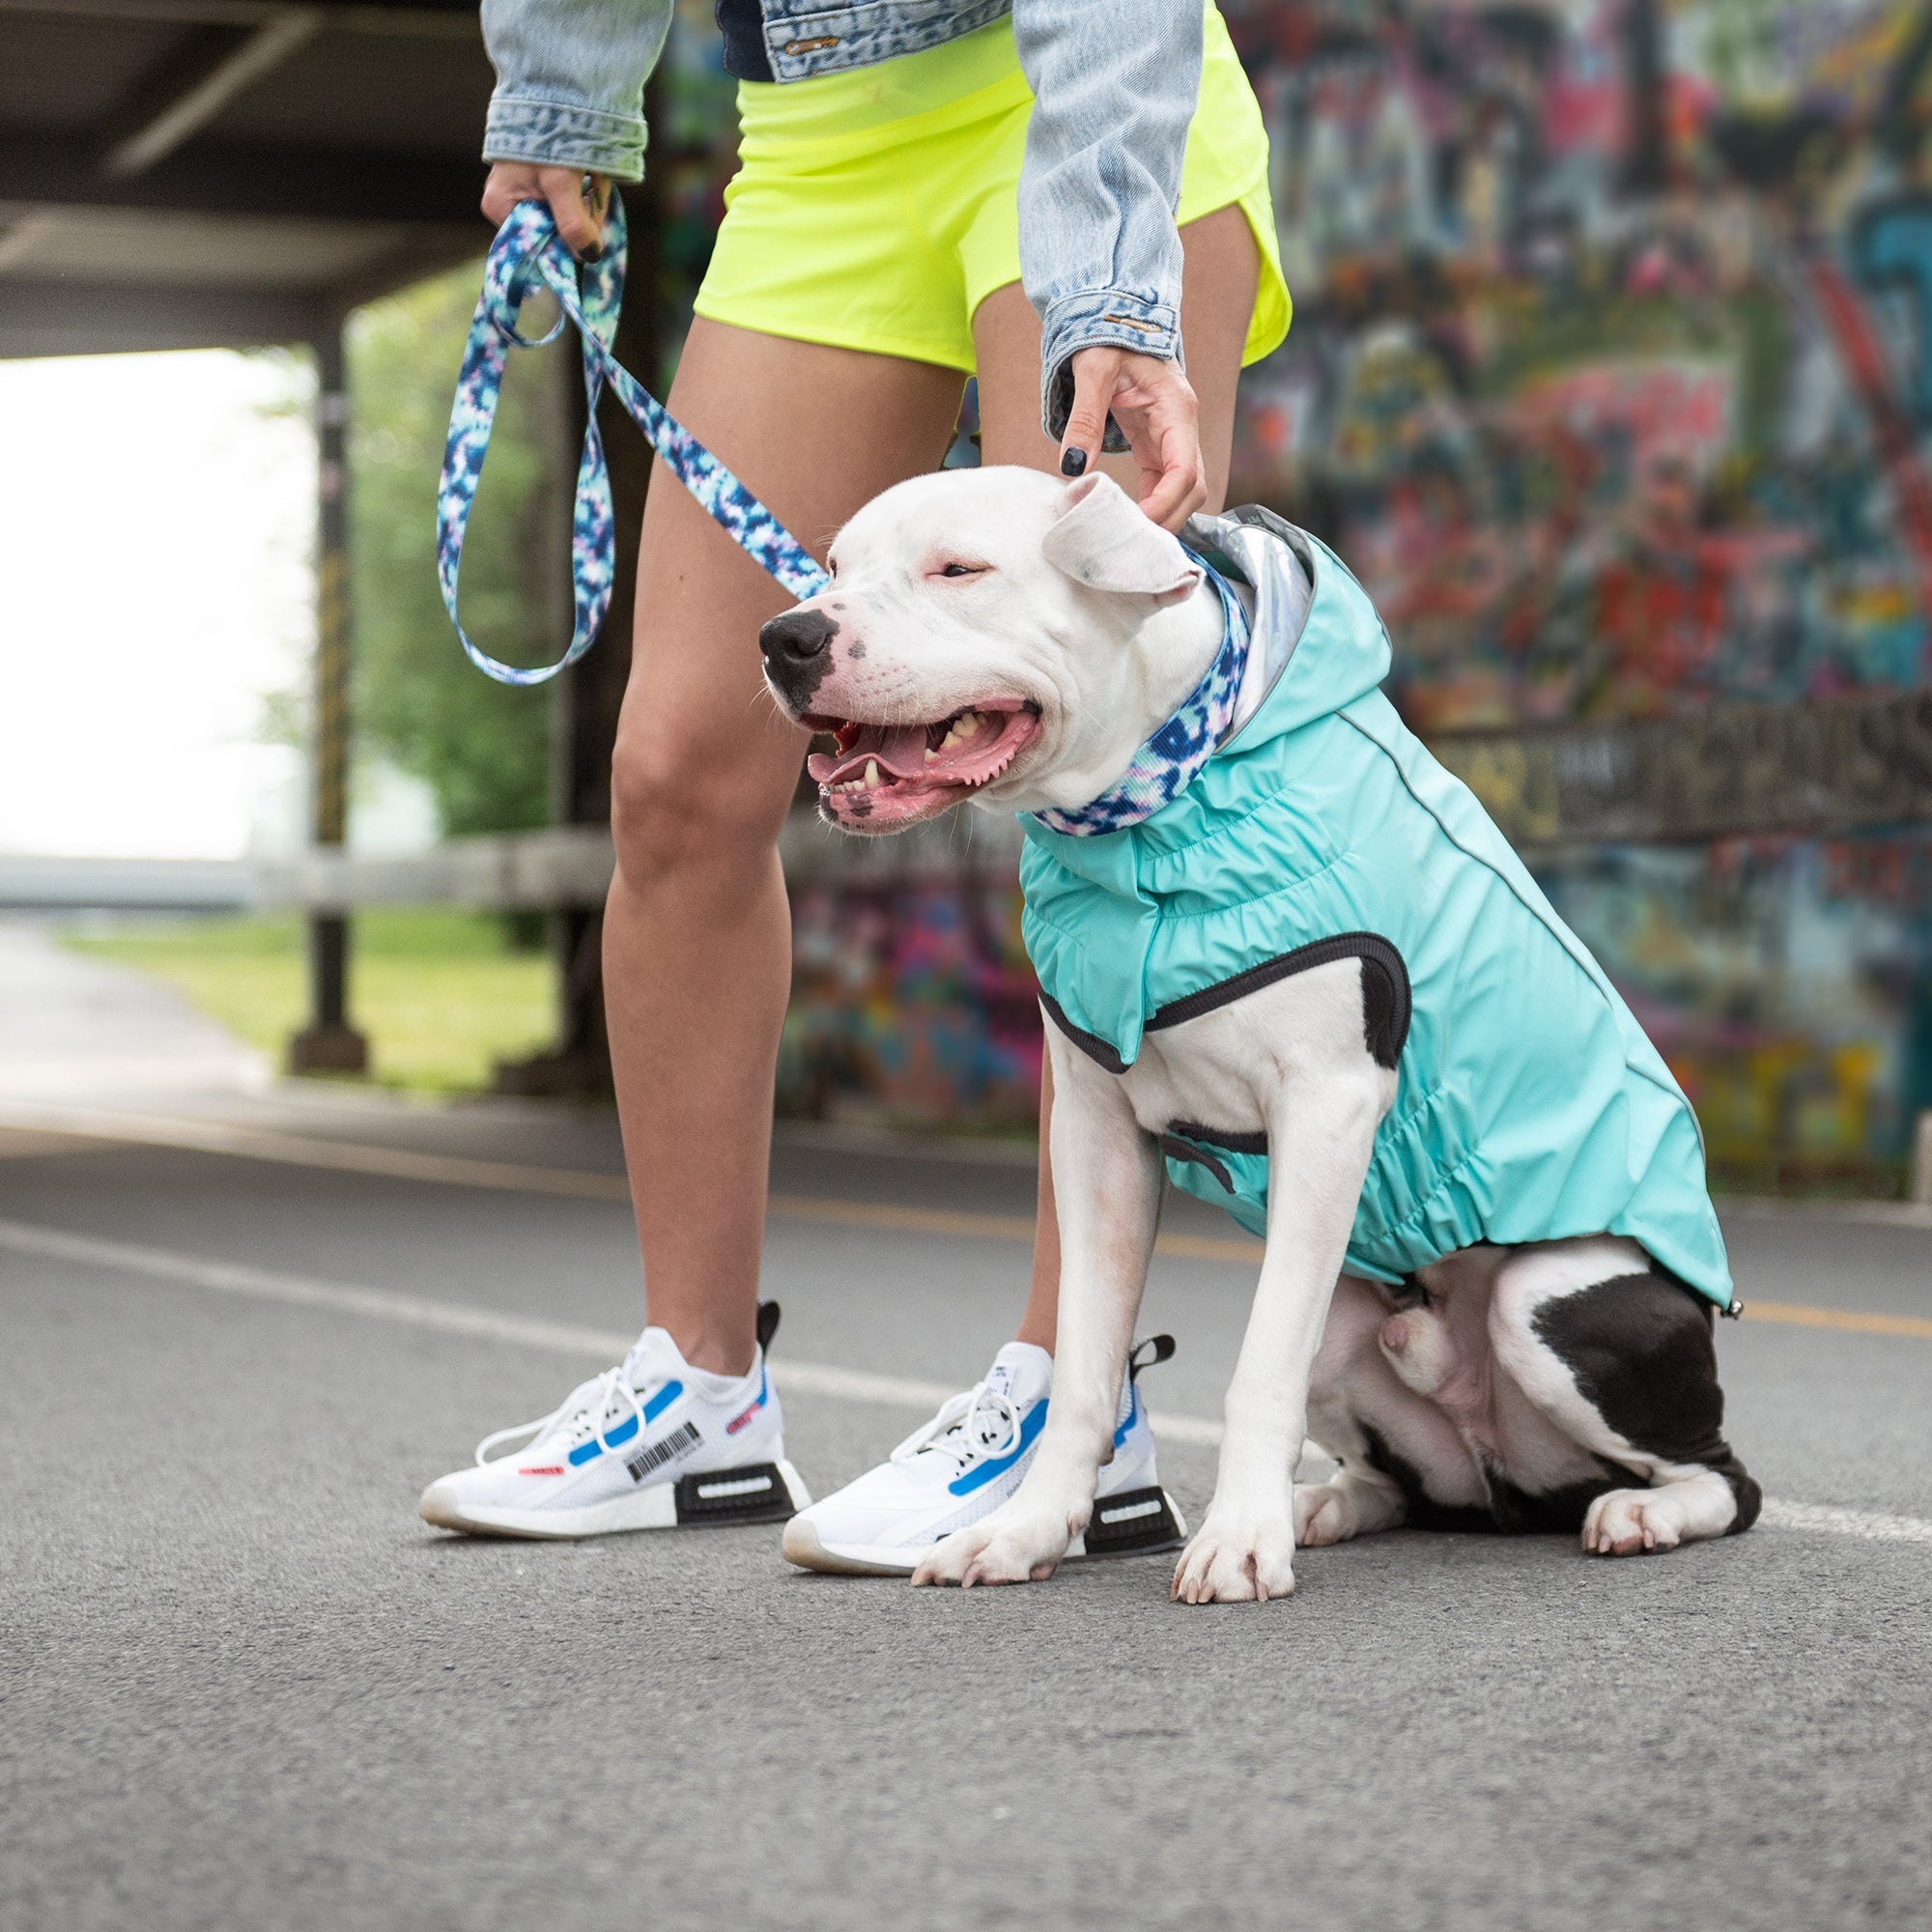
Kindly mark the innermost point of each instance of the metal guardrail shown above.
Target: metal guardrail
(40, 882)
(571, 867)
(515, 871)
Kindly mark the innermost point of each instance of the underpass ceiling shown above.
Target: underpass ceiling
(178, 173)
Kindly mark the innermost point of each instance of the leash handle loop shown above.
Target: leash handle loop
(526, 254)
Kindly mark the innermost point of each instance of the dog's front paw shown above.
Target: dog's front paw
(1241, 1558)
(1002, 1549)
(1629, 1522)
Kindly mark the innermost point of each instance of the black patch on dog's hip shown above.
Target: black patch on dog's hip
(1640, 1350)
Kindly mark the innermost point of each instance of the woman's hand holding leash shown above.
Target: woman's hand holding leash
(1158, 413)
(577, 201)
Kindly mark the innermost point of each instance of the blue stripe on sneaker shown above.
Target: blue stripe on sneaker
(1030, 1424)
(588, 1452)
(1133, 1406)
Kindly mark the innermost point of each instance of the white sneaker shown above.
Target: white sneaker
(968, 1460)
(650, 1445)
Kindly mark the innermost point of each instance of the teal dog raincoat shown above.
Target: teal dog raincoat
(1529, 1105)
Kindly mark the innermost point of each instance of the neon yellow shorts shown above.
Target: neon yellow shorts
(878, 208)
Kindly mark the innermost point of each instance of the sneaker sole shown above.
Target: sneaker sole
(757, 1492)
(1133, 1523)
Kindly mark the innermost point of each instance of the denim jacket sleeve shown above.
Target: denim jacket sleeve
(1114, 84)
(570, 81)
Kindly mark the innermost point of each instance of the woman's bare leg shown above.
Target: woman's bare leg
(697, 933)
(1218, 278)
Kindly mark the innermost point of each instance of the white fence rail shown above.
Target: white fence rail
(520, 872)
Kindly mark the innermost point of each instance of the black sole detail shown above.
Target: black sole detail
(1122, 1526)
(754, 1494)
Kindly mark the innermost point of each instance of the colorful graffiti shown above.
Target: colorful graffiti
(1610, 362)
(911, 1002)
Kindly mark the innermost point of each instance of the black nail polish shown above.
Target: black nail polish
(593, 253)
(1074, 463)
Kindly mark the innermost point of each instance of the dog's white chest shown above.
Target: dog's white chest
(1229, 1070)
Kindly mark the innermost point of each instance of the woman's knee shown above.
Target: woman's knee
(688, 804)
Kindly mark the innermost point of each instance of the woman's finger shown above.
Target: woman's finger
(1166, 439)
(1096, 372)
(577, 201)
(1180, 491)
(507, 184)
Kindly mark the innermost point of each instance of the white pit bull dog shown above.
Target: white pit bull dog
(1287, 959)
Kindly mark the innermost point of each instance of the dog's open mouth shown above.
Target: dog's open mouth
(883, 777)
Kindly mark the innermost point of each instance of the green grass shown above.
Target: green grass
(443, 996)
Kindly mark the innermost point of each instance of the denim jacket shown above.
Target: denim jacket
(1114, 85)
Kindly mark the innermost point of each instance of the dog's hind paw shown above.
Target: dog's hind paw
(1233, 1560)
(1324, 1513)
(1631, 1522)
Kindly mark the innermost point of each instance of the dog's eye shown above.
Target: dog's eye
(964, 570)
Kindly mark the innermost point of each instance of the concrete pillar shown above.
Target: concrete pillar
(328, 1043)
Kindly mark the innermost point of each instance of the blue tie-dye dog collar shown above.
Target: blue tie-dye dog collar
(1166, 764)
(528, 253)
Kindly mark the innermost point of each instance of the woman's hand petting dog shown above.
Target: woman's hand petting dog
(1158, 413)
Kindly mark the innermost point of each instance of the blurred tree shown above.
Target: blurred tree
(482, 748)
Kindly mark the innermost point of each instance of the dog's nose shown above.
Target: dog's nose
(796, 638)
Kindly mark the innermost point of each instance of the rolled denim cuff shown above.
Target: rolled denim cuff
(1093, 319)
(565, 135)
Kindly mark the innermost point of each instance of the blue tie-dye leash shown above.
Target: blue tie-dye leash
(528, 254)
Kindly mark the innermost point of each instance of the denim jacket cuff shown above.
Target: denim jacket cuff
(565, 135)
(1091, 319)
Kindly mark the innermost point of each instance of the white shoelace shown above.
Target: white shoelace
(985, 1420)
(602, 1404)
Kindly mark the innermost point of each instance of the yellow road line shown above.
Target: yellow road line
(1800, 1315)
(87, 1123)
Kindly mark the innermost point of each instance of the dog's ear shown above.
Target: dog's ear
(1101, 539)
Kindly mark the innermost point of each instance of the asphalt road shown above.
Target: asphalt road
(244, 1685)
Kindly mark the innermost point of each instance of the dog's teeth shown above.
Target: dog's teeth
(930, 754)
(872, 772)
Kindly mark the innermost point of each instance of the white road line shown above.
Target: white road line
(821, 1378)
(415, 1311)
(1868, 1523)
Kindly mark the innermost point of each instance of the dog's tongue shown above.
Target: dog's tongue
(900, 747)
(902, 750)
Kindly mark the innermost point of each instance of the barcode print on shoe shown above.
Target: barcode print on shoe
(673, 1445)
